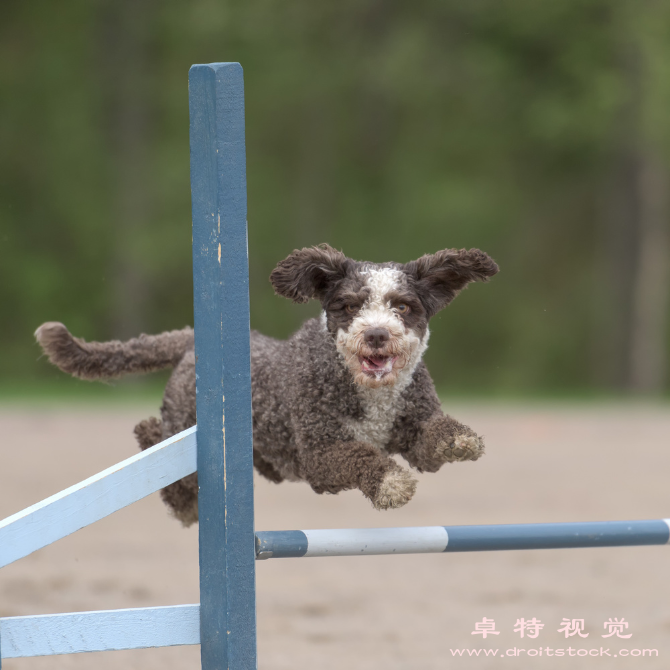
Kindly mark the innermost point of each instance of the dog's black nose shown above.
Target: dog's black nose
(376, 337)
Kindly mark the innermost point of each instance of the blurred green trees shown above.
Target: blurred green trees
(536, 131)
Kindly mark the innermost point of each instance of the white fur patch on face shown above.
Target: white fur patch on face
(377, 311)
(399, 356)
(381, 281)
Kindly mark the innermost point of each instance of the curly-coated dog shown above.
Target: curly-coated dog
(334, 401)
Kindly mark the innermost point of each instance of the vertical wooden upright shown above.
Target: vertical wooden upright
(223, 379)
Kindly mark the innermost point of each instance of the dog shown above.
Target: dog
(333, 402)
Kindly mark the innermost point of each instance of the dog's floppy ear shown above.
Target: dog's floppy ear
(439, 277)
(307, 273)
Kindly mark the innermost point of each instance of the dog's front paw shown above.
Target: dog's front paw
(395, 490)
(463, 447)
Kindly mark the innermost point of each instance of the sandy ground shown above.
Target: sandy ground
(543, 463)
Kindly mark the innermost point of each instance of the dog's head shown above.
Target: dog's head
(378, 314)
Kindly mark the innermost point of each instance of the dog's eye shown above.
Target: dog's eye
(351, 308)
(402, 308)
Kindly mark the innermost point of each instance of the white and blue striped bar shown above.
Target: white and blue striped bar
(97, 497)
(438, 539)
(110, 630)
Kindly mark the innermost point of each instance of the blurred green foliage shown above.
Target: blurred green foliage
(387, 129)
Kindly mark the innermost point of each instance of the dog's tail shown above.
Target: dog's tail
(107, 360)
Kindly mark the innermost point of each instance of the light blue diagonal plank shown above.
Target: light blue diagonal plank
(97, 497)
(109, 630)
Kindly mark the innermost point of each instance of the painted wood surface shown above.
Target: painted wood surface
(350, 542)
(433, 539)
(372, 541)
(78, 632)
(223, 379)
(557, 535)
(97, 497)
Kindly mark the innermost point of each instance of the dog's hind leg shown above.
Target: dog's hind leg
(266, 469)
(182, 496)
(340, 466)
(148, 432)
(178, 413)
(182, 499)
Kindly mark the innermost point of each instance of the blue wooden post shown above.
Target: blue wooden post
(223, 380)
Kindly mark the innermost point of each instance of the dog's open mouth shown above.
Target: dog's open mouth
(377, 366)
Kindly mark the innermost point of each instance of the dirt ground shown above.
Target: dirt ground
(544, 463)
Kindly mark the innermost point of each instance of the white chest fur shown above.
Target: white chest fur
(380, 408)
(381, 405)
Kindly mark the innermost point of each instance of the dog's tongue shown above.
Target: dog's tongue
(378, 364)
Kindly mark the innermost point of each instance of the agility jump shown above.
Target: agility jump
(220, 450)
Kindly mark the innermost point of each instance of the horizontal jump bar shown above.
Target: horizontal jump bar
(438, 539)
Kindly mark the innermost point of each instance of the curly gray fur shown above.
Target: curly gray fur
(309, 409)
